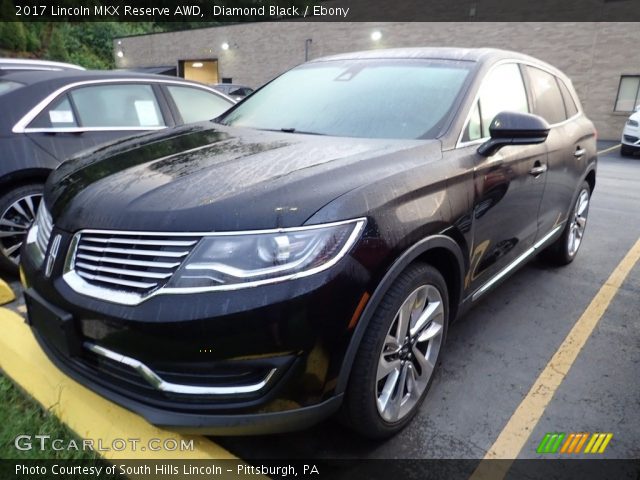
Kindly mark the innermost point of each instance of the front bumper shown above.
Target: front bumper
(292, 336)
(631, 137)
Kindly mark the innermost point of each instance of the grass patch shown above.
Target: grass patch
(20, 415)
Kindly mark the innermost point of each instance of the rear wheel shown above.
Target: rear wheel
(394, 367)
(565, 248)
(17, 212)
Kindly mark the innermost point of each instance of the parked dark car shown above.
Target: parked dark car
(256, 273)
(235, 91)
(51, 115)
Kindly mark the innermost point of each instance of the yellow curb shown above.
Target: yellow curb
(86, 413)
(6, 294)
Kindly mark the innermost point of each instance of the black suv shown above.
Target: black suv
(258, 272)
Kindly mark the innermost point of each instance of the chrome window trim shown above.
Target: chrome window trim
(22, 125)
(90, 129)
(461, 144)
(153, 379)
(513, 265)
(79, 285)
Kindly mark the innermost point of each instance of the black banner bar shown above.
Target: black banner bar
(320, 10)
(322, 469)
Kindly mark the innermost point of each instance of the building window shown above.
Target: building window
(628, 93)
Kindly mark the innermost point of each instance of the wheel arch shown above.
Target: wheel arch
(440, 251)
(24, 177)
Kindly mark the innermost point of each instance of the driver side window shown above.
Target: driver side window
(502, 90)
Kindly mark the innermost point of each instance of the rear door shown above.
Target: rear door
(507, 194)
(89, 115)
(569, 144)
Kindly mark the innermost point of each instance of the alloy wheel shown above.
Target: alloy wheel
(409, 353)
(578, 223)
(14, 224)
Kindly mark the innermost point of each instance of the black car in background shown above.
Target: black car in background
(49, 116)
(257, 273)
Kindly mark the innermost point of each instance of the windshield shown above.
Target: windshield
(356, 98)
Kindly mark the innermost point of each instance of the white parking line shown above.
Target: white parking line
(607, 150)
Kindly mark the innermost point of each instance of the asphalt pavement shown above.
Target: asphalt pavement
(495, 353)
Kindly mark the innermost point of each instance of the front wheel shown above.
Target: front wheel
(398, 354)
(18, 210)
(626, 151)
(565, 248)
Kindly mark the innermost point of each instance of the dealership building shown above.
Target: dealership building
(602, 58)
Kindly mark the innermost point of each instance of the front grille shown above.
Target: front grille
(131, 262)
(630, 138)
(45, 225)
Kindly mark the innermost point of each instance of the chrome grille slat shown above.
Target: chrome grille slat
(115, 281)
(132, 262)
(127, 241)
(127, 261)
(122, 271)
(129, 251)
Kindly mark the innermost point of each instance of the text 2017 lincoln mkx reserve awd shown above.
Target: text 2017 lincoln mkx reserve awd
(306, 251)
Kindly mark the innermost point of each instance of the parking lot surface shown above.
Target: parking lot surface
(497, 351)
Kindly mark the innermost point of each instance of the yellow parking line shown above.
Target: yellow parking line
(6, 294)
(610, 149)
(86, 413)
(516, 432)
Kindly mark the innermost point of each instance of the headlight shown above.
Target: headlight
(632, 123)
(243, 259)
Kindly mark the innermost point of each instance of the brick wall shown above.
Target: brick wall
(593, 55)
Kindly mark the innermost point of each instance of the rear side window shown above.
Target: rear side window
(197, 105)
(114, 106)
(569, 102)
(548, 101)
(58, 114)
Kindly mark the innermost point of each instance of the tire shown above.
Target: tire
(627, 151)
(364, 407)
(18, 209)
(563, 251)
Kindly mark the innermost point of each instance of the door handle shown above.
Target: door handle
(579, 153)
(538, 169)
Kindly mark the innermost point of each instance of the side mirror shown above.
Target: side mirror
(513, 128)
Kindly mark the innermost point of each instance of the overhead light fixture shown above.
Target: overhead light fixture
(225, 46)
(376, 35)
(197, 64)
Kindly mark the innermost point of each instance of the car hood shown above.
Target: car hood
(208, 177)
(635, 116)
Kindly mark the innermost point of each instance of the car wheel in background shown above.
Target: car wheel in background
(565, 248)
(18, 210)
(626, 151)
(398, 354)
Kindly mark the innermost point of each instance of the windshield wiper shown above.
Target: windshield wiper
(293, 130)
